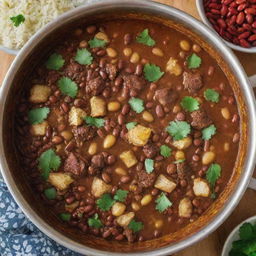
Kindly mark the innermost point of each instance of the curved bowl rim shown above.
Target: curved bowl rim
(142, 5)
(201, 11)
(230, 237)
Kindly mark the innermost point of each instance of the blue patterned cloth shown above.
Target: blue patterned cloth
(18, 236)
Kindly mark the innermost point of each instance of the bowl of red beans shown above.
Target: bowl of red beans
(233, 20)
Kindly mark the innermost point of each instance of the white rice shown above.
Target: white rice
(37, 13)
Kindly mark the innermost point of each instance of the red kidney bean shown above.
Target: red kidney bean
(250, 11)
(244, 35)
(252, 38)
(240, 18)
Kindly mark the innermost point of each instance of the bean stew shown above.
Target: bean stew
(128, 130)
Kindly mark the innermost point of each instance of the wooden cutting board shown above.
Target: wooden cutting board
(212, 245)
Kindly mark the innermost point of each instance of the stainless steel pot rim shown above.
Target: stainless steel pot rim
(156, 8)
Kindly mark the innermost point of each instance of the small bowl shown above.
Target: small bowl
(201, 11)
(234, 235)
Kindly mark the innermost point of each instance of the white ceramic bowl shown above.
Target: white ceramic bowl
(201, 11)
(234, 235)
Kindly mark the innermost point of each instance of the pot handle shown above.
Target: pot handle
(252, 183)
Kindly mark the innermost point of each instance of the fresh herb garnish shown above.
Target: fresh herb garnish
(121, 195)
(208, 132)
(83, 57)
(194, 61)
(135, 226)
(149, 165)
(145, 38)
(190, 104)
(48, 161)
(246, 245)
(50, 193)
(131, 125)
(165, 151)
(178, 129)
(105, 202)
(68, 87)
(38, 115)
(95, 42)
(162, 202)
(65, 216)
(93, 121)
(152, 72)
(55, 62)
(17, 20)
(137, 104)
(212, 95)
(95, 222)
(213, 173)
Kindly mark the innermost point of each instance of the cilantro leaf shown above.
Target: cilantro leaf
(83, 57)
(95, 42)
(194, 61)
(17, 20)
(149, 165)
(48, 161)
(208, 132)
(178, 129)
(213, 173)
(95, 222)
(65, 216)
(135, 226)
(162, 202)
(93, 121)
(50, 193)
(190, 104)
(131, 125)
(55, 62)
(145, 38)
(137, 104)
(38, 115)
(212, 95)
(165, 151)
(152, 72)
(68, 87)
(121, 195)
(105, 202)
(246, 231)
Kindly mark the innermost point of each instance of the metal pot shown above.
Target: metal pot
(41, 43)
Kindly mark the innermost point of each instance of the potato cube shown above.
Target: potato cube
(71, 207)
(39, 129)
(98, 106)
(125, 219)
(39, 93)
(164, 184)
(99, 187)
(118, 209)
(76, 116)
(128, 158)
(185, 208)
(139, 135)
(183, 143)
(201, 187)
(173, 67)
(60, 180)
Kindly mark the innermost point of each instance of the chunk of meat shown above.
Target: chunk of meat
(150, 150)
(111, 71)
(185, 208)
(83, 133)
(99, 187)
(192, 82)
(134, 82)
(98, 161)
(74, 165)
(200, 119)
(165, 184)
(95, 86)
(182, 169)
(129, 235)
(166, 96)
(145, 180)
(201, 187)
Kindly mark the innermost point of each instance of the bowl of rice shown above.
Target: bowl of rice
(20, 20)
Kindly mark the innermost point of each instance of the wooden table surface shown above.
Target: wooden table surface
(212, 245)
